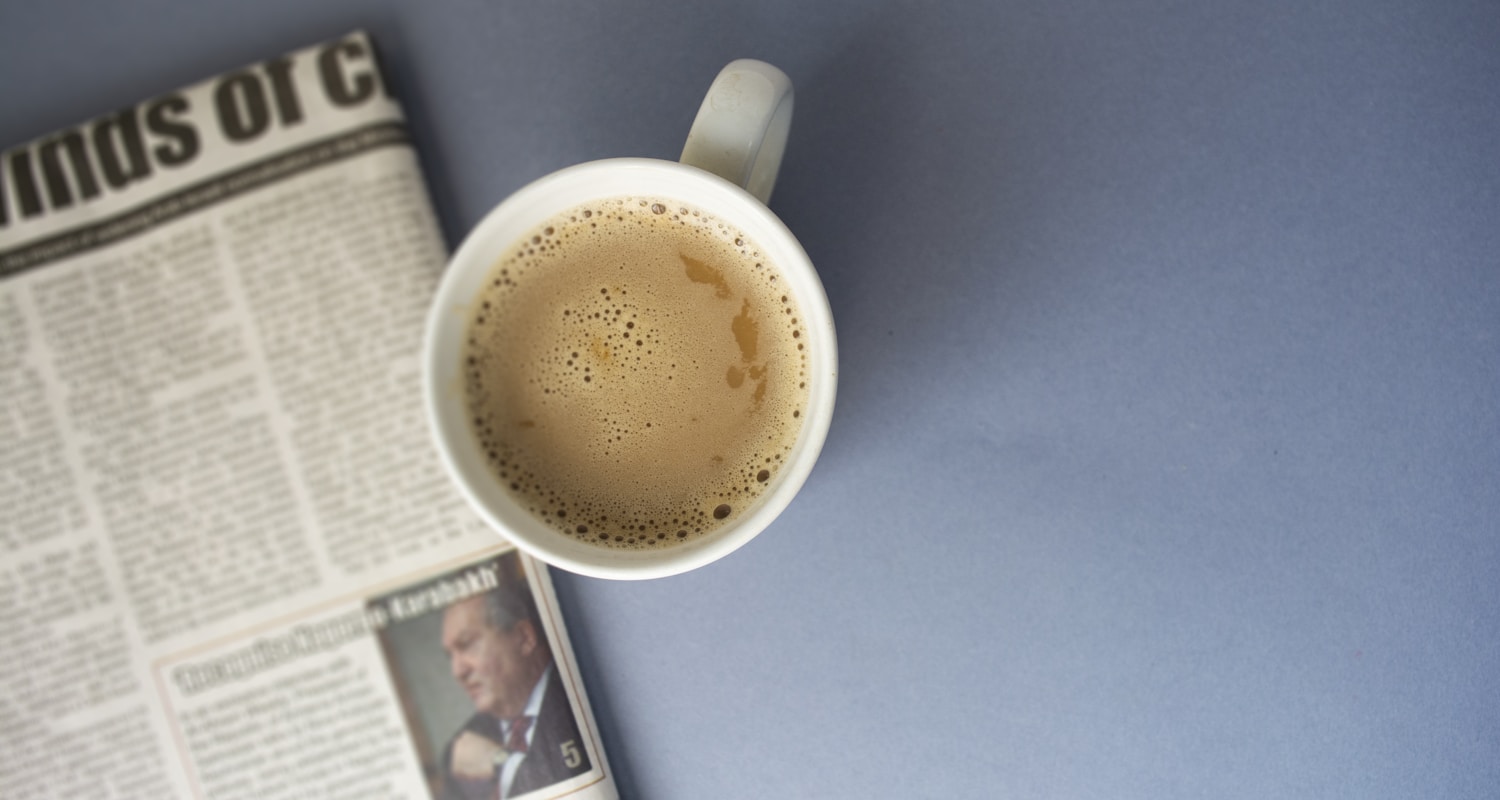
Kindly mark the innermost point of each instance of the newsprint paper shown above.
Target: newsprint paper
(230, 563)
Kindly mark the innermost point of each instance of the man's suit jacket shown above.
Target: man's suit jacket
(556, 752)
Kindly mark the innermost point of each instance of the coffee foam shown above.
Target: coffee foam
(636, 372)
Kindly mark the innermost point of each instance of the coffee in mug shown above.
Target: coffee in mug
(636, 372)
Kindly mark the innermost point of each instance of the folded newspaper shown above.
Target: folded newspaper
(230, 563)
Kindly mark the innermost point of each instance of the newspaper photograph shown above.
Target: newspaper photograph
(230, 562)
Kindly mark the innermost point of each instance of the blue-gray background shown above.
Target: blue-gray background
(1167, 454)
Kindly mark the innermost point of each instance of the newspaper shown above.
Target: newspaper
(230, 563)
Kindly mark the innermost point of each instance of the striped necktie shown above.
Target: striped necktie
(515, 741)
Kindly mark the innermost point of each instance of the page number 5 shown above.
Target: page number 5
(571, 756)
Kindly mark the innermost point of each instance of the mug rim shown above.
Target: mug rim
(447, 324)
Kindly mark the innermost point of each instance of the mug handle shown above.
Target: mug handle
(741, 128)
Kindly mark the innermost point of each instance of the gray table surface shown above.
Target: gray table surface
(1167, 454)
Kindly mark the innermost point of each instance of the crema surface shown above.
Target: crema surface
(636, 372)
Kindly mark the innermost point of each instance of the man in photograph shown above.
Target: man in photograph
(523, 735)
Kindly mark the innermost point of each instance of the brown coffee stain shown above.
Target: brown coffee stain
(734, 377)
(701, 272)
(746, 333)
(526, 423)
(760, 393)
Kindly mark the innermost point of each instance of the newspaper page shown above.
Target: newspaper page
(230, 563)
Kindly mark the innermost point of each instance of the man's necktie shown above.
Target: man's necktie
(515, 741)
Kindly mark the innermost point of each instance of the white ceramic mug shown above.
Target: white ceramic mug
(728, 169)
